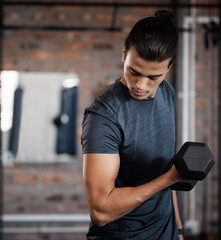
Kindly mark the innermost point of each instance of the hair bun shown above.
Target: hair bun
(164, 14)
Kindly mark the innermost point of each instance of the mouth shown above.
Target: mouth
(138, 93)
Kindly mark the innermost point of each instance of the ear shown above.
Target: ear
(123, 55)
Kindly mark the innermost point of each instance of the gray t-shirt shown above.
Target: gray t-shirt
(143, 133)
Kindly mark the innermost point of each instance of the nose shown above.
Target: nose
(141, 83)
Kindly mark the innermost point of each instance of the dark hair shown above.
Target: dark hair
(154, 38)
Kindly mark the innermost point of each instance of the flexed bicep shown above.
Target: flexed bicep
(99, 172)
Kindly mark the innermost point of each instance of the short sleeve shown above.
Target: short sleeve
(99, 134)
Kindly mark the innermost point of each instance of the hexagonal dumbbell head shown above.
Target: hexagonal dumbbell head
(186, 185)
(194, 161)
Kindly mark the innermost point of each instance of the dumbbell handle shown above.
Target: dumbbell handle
(185, 185)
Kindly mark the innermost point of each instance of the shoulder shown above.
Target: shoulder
(168, 87)
(166, 97)
(167, 92)
(109, 101)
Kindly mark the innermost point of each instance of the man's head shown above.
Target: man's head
(149, 51)
(154, 38)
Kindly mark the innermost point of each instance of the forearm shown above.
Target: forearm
(178, 219)
(175, 203)
(121, 201)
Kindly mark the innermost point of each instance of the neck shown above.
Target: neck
(123, 81)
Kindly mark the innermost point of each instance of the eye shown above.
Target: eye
(133, 72)
(153, 78)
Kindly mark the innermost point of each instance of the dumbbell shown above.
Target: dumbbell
(193, 162)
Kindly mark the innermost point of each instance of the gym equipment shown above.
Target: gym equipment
(66, 122)
(16, 122)
(193, 162)
(186, 185)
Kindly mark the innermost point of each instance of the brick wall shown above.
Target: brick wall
(44, 189)
(96, 57)
(206, 125)
(206, 108)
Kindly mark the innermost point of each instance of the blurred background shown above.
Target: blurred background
(55, 58)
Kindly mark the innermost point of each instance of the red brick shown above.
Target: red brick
(67, 55)
(25, 179)
(50, 178)
(78, 46)
(42, 54)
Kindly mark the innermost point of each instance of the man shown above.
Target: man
(128, 140)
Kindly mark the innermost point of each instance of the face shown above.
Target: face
(142, 77)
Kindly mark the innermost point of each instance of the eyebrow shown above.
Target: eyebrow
(159, 75)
